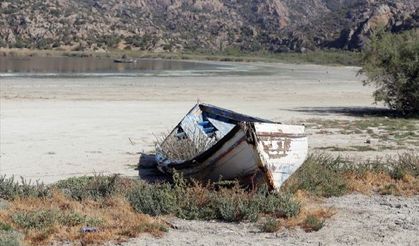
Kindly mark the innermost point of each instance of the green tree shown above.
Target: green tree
(391, 63)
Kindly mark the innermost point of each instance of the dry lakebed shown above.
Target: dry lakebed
(55, 127)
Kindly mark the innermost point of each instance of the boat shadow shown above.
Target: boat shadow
(147, 169)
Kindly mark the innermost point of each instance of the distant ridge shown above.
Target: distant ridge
(216, 25)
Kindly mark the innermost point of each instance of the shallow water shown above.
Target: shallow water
(106, 67)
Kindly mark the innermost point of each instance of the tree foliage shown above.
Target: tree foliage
(391, 63)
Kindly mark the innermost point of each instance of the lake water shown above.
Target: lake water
(106, 67)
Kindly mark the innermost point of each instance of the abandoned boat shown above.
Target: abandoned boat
(212, 144)
(124, 60)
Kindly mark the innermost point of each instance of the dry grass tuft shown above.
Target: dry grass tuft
(312, 208)
(183, 147)
(382, 183)
(311, 217)
(326, 176)
(114, 218)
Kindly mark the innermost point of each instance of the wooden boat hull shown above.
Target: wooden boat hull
(124, 61)
(252, 152)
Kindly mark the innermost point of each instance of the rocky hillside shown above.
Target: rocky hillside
(275, 25)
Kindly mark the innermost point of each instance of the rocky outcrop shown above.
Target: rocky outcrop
(274, 25)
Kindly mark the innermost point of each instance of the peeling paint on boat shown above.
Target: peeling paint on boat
(246, 148)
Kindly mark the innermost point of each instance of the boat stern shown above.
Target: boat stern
(282, 150)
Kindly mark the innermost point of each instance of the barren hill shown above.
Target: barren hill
(274, 25)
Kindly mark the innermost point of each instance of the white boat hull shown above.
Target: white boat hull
(251, 153)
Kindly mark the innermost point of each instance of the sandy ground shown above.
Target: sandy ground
(52, 128)
(360, 220)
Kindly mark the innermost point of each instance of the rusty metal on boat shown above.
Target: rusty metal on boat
(242, 147)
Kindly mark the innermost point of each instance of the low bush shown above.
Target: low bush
(391, 63)
(151, 228)
(312, 223)
(279, 205)
(324, 175)
(321, 175)
(10, 188)
(44, 219)
(8, 236)
(10, 239)
(34, 220)
(389, 189)
(5, 227)
(270, 225)
(153, 199)
(92, 187)
(194, 201)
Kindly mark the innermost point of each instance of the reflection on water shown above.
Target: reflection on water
(76, 67)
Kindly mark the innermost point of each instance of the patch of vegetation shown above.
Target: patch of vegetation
(312, 223)
(10, 239)
(321, 175)
(391, 63)
(44, 219)
(10, 188)
(92, 187)
(324, 175)
(399, 131)
(363, 148)
(270, 225)
(5, 227)
(323, 57)
(97, 201)
(397, 173)
(119, 207)
(8, 236)
(350, 148)
(194, 201)
(389, 189)
(151, 227)
(153, 200)
(312, 57)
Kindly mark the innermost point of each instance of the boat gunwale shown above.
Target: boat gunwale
(211, 109)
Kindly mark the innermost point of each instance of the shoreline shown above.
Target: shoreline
(320, 57)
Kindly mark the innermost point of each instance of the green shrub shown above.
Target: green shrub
(151, 227)
(153, 199)
(44, 219)
(21, 43)
(10, 188)
(397, 167)
(94, 187)
(194, 201)
(321, 175)
(232, 208)
(34, 220)
(5, 227)
(279, 205)
(391, 63)
(397, 173)
(408, 163)
(270, 225)
(312, 223)
(232, 203)
(10, 239)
